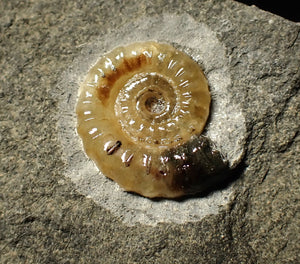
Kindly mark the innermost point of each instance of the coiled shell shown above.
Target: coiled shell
(141, 111)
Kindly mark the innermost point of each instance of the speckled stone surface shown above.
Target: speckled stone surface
(44, 219)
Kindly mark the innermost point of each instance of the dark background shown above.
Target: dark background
(286, 9)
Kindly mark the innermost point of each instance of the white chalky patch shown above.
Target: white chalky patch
(226, 126)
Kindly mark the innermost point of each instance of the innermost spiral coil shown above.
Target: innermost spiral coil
(154, 104)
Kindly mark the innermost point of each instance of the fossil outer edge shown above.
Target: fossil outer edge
(141, 111)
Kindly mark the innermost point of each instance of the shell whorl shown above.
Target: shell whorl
(140, 112)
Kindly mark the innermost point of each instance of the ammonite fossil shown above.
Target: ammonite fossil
(141, 112)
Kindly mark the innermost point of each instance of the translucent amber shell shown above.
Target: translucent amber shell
(140, 112)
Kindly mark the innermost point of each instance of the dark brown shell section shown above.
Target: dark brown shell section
(196, 165)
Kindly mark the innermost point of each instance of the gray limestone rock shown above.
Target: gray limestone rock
(49, 213)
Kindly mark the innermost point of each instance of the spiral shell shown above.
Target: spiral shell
(141, 112)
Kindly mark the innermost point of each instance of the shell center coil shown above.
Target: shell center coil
(152, 98)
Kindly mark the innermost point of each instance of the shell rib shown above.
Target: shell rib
(141, 111)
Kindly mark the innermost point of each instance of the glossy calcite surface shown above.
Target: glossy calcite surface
(141, 111)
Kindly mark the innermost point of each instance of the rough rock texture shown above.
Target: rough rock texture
(45, 220)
